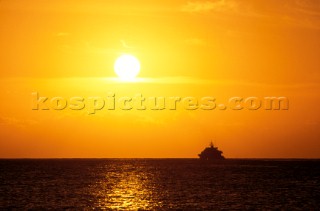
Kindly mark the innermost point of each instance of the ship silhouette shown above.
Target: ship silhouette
(211, 153)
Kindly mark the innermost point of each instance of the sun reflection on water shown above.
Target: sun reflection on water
(129, 193)
(126, 190)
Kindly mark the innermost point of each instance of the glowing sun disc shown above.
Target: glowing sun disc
(127, 67)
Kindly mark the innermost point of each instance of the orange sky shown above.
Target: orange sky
(219, 48)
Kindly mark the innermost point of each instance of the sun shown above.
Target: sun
(127, 67)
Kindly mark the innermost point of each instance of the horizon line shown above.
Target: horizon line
(150, 158)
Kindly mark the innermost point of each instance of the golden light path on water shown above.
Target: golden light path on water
(129, 193)
(128, 189)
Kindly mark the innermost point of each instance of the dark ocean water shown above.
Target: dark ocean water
(159, 184)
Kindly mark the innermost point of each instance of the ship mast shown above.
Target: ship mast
(211, 144)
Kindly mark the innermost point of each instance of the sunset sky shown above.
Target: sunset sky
(220, 49)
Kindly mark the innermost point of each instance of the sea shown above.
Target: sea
(159, 184)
